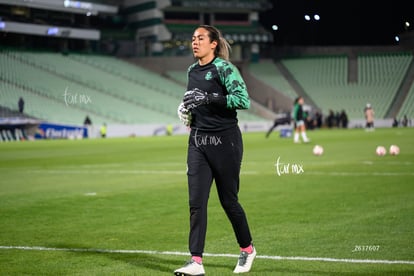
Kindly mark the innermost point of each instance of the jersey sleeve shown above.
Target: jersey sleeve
(237, 97)
(295, 112)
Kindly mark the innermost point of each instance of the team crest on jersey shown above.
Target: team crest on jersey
(209, 75)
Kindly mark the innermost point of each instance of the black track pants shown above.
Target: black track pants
(218, 156)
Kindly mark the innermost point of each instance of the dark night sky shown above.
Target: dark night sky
(352, 22)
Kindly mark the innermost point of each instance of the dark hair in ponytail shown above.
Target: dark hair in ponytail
(223, 47)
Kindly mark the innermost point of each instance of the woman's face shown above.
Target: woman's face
(203, 48)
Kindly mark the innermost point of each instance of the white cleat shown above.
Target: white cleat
(190, 268)
(245, 262)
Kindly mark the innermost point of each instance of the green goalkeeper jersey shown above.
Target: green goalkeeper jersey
(221, 77)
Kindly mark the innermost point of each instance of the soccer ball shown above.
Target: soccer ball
(394, 150)
(380, 151)
(317, 150)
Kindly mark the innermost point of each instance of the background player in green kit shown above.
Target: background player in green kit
(215, 90)
(299, 121)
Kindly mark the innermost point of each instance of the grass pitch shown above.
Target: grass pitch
(75, 207)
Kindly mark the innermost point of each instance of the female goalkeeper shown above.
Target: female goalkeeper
(215, 90)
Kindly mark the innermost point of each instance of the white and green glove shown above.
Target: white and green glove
(184, 114)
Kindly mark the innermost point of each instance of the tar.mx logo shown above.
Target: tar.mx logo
(75, 98)
(287, 168)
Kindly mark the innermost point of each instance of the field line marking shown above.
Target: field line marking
(151, 172)
(243, 172)
(177, 253)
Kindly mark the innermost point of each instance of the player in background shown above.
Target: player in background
(282, 119)
(215, 90)
(369, 117)
(299, 121)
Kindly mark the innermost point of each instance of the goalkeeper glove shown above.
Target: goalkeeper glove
(197, 97)
(184, 115)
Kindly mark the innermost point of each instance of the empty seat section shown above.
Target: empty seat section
(324, 79)
(267, 72)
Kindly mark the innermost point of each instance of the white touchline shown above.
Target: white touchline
(153, 172)
(243, 172)
(177, 253)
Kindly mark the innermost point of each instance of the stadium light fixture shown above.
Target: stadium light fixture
(316, 17)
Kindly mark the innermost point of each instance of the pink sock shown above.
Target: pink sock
(197, 259)
(248, 249)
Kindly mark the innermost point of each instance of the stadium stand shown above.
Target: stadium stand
(267, 72)
(132, 73)
(407, 107)
(324, 79)
(64, 88)
(51, 77)
(178, 76)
